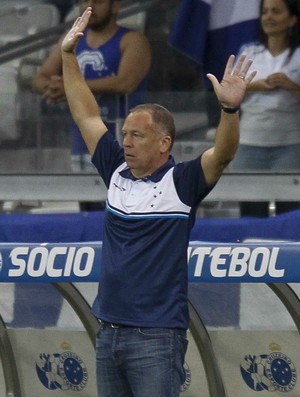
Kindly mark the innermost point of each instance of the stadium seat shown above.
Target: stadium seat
(18, 21)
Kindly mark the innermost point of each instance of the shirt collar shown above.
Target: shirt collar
(155, 177)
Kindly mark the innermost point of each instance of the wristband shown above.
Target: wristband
(230, 110)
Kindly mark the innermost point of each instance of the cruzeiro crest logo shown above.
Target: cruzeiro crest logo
(65, 371)
(271, 372)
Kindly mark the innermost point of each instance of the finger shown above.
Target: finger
(87, 11)
(251, 76)
(213, 79)
(238, 68)
(76, 23)
(229, 65)
(82, 21)
(86, 16)
(245, 69)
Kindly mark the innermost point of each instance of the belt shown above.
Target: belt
(113, 325)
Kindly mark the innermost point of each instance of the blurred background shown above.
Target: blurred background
(188, 39)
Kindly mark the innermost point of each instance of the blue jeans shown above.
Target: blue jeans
(140, 362)
(271, 159)
(281, 158)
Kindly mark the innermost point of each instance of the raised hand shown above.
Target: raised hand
(231, 90)
(72, 37)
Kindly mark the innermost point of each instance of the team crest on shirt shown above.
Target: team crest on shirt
(94, 59)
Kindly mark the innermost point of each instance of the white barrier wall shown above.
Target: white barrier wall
(261, 363)
(54, 363)
(62, 363)
(2, 382)
(195, 375)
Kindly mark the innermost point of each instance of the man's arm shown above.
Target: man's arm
(48, 79)
(82, 103)
(230, 93)
(134, 66)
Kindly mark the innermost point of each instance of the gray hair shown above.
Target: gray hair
(161, 117)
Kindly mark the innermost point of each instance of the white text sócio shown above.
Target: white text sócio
(53, 262)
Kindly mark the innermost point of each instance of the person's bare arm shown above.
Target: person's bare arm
(134, 66)
(81, 100)
(48, 80)
(230, 93)
(258, 85)
(272, 82)
(281, 80)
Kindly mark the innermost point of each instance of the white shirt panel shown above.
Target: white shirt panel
(145, 197)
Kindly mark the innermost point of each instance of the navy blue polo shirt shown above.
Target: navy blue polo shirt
(146, 235)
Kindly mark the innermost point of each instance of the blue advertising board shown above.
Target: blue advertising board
(207, 262)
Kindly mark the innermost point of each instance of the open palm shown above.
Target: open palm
(72, 37)
(232, 89)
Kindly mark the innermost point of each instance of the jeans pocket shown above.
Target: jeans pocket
(182, 342)
(181, 348)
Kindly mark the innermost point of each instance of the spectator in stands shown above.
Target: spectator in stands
(151, 205)
(270, 114)
(115, 62)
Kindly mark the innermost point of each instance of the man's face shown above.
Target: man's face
(144, 147)
(103, 11)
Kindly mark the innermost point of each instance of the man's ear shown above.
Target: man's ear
(166, 143)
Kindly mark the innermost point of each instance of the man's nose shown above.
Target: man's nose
(127, 140)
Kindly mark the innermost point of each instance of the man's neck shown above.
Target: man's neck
(96, 37)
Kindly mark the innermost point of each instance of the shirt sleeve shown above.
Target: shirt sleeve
(190, 182)
(292, 68)
(107, 157)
